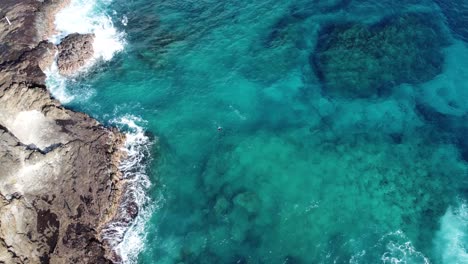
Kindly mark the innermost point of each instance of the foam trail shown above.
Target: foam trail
(127, 239)
(57, 85)
(451, 242)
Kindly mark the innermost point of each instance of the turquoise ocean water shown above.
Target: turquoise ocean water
(301, 131)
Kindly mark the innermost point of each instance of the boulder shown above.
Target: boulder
(75, 51)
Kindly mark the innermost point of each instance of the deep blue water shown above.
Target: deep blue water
(295, 131)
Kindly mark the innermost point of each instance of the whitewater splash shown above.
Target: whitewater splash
(391, 248)
(56, 85)
(89, 16)
(400, 250)
(451, 242)
(126, 235)
(84, 16)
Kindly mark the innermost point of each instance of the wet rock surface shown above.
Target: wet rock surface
(357, 60)
(74, 51)
(59, 177)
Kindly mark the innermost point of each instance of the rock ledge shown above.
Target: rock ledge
(59, 179)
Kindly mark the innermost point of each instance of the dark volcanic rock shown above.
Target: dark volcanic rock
(357, 60)
(59, 178)
(74, 51)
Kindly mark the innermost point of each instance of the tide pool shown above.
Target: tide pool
(290, 131)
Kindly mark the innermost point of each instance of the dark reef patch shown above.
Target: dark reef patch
(305, 9)
(456, 13)
(298, 12)
(358, 60)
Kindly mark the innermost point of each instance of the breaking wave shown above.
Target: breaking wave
(83, 16)
(89, 16)
(451, 242)
(126, 234)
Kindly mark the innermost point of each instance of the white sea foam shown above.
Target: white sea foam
(84, 16)
(57, 85)
(89, 16)
(393, 248)
(451, 242)
(131, 238)
(124, 20)
(400, 250)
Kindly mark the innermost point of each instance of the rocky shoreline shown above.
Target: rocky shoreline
(60, 185)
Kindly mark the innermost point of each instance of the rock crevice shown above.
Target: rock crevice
(59, 177)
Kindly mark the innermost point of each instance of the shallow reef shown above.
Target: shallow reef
(366, 164)
(456, 13)
(292, 203)
(358, 60)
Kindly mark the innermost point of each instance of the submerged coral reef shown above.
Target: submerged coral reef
(304, 169)
(358, 60)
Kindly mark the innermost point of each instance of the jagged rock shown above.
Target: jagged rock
(59, 179)
(357, 60)
(74, 51)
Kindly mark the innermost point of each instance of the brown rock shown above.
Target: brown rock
(59, 177)
(74, 51)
